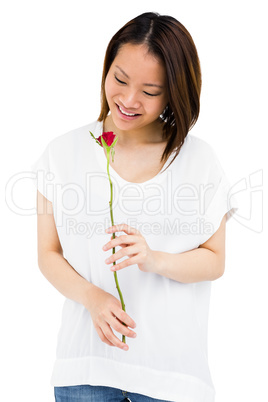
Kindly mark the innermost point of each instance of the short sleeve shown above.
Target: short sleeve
(44, 177)
(222, 202)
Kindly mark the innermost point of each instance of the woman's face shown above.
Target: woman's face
(135, 88)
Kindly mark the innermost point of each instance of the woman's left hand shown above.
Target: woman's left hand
(133, 245)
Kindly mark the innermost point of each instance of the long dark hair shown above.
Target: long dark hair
(168, 40)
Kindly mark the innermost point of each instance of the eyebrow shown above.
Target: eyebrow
(147, 85)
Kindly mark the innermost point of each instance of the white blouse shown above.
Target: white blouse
(176, 211)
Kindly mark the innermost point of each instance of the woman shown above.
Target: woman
(170, 207)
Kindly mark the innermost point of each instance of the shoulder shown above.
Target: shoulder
(197, 152)
(197, 162)
(197, 147)
(75, 138)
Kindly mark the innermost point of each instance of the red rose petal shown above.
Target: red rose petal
(108, 137)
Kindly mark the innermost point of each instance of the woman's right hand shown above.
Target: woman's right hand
(105, 309)
(107, 314)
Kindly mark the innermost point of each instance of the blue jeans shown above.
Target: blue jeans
(89, 393)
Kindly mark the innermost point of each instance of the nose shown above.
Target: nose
(130, 99)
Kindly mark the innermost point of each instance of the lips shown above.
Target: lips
(126, 113)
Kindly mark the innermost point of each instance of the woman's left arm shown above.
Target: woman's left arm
(205, 263)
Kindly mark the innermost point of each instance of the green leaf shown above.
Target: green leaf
(112, 153)
(97, 141)
(115, 141)
(104, 143)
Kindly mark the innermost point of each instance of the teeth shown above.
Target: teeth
(125, 113)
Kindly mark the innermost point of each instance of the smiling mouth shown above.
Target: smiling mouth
(127, 114)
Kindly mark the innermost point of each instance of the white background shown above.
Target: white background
(52, 53)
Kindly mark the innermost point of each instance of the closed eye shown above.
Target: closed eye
(124, 83)
(117, 79)
(147, 93)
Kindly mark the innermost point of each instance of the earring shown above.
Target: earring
(162, 115)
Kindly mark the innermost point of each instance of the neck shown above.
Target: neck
(150, 134)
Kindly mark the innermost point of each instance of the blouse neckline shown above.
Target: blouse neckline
(101, 156)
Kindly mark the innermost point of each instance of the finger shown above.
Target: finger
(112, 238)
(106, 329)
(126, 263)
(122, 241)
(103, 337)
(123, 252)
(118, 326)
(123, 227)
(123, 317)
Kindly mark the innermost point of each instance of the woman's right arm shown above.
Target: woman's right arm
(105, 309)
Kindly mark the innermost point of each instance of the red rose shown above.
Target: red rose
(108, 137)
(108, 140)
